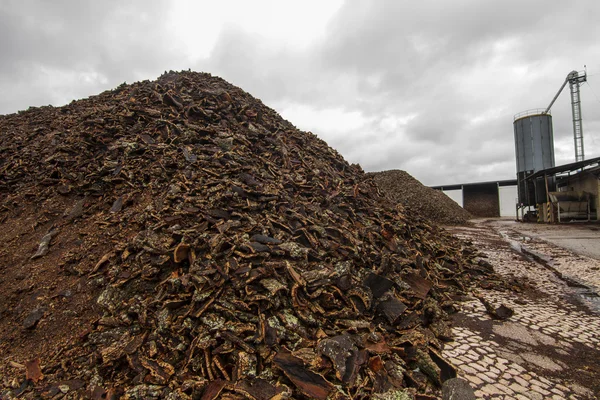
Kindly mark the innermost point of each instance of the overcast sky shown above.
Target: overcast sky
(429, 87)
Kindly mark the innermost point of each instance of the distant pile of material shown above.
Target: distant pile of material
(401, 187)
(229, 255)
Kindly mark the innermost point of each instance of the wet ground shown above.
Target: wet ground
(581, 238)
(550, 347)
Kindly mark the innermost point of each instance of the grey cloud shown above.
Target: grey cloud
(375, 39)
(111, 40)
(460, 69)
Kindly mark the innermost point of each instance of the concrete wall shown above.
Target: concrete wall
(455, 195)
(508, 201)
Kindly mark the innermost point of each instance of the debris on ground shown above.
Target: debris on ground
(34, 373)
(228, 255)
(457, 389)
(44, 244)
(432, 204)
(33, 318)
(502, 312)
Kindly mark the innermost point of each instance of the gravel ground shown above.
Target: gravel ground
(549, 349)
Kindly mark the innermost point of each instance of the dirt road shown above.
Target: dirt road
(550, 347)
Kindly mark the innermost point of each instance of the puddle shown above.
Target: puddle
(591, 298)
(586, 293)
(515, 245)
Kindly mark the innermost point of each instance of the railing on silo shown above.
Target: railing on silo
(527, 113)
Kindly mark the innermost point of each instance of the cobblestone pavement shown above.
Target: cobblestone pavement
(550, 347)
(576, 266)
(580, 237)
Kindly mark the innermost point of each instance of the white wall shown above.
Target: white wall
(455, 195)
(508, 200)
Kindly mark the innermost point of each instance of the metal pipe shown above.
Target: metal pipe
(546, 182)
(498, 192)
(557, 94)
(574, 80)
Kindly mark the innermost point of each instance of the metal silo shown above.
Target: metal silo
(534, 147)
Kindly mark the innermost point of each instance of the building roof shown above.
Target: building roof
(565, 168)
(456, 186)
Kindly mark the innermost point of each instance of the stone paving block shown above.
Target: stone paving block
(488, 360)
(507, 375)
(455, 361)
(468, 370)
(505, 389)
(504, 382)
(561, 387)
(535, 396)
(491, 375)
(517, 388)
(474, 380)
(518, 368)
(464, 359)
(479, 367)
(491, 390)
(539, 383)
(521, 381)
(540, 390)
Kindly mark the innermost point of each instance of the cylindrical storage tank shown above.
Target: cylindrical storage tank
(534, 141)
(534, 148)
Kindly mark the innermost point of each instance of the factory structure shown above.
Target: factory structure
(484, 199)
(542, 191)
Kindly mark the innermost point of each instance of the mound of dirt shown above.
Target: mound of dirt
(433, 204)
(177, 239)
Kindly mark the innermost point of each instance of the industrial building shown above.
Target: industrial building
(542, 192)
(549, 193)
(485, 199)
(576, 196)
